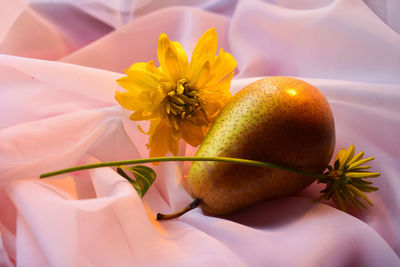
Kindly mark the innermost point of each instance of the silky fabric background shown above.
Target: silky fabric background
(59, 63)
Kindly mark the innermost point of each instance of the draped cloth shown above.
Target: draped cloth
(59, 64)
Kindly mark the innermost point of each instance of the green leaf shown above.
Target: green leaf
(123, 174)
(144, 177)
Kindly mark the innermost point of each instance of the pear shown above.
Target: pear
(279, 120)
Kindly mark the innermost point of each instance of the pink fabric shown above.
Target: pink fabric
(59, 63)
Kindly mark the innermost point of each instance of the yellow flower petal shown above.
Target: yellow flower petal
(172, 58)
(215, 90)
(340, 154)
(143, 100)
(347, 179)
(360, 162)
(172, 64)
(224, 65)
(127, 84)
(131, 101)
(192, 133)
(173, 145)
(182, 58)
(362, 174)
(179, 100)
(138, 116)
(356, 158)
(141, 79)
(158, 143)
(217, 96)
(162, 140)
(205, 50)
(138, 66)
(149, 113)
(358, 168)
(163, 44)
(213, 108)
(151, 68)
(340, 202)
(359, 193)
(347, 156)
(202, 77)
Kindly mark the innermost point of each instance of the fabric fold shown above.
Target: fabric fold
(58, 114)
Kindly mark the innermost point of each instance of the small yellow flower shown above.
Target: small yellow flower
(345, 181)
(180, 99)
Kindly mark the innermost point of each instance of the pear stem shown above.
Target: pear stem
(164, 159)
(191, 206)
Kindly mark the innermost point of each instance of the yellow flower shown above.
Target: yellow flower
(180, 99)
(345, 181)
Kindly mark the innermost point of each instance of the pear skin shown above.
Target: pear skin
(279, 120)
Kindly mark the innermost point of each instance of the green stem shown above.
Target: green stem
(163, 159)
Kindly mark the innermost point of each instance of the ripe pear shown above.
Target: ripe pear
(278, 120)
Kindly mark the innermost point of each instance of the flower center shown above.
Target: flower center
(182, 100)
(185, 103)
